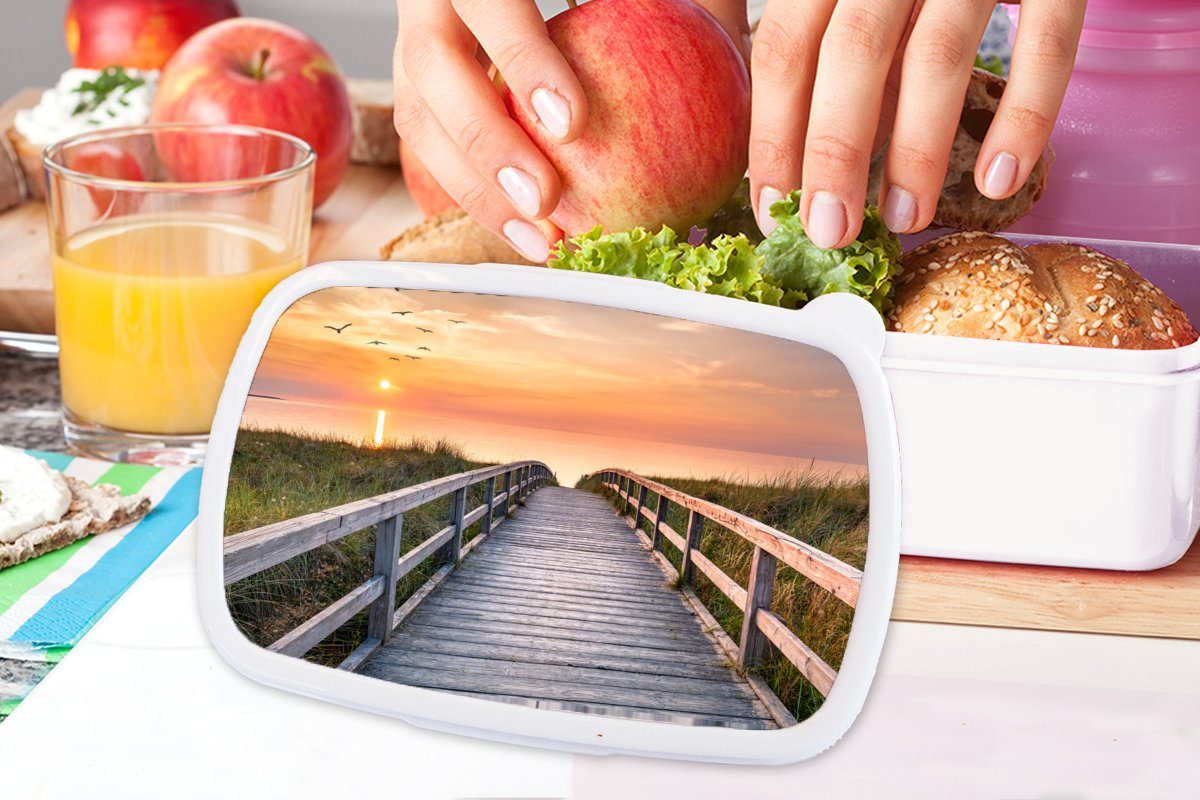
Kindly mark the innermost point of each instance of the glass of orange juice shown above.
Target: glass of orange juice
(164, 238)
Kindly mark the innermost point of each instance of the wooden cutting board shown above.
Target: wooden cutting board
(1164, 602)
(369, 209)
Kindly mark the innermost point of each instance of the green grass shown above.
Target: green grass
(826, 513)
(278, 475)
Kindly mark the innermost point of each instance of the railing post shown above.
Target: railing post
(387, 556)
(507, 491)
(458, 506)
(524, 488)
(695, 529)
(758, 595)
(660, 515)
(489, 499)
(641, 503)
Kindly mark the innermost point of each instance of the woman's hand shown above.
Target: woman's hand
(450, 114)
(823, 72)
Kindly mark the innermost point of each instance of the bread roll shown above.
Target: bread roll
(982, 286)
(451, 238)
(960, 204)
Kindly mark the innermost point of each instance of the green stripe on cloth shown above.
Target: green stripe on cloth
(23, 577)
(129, 478)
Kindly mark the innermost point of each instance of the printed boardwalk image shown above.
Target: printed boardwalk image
(682, 544)
(564, 608)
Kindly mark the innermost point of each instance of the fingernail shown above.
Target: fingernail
(553, 111)
(826, 220)
(527, 240)
(767, 197)
(1000, 176)
(521, 189)
(899, 210)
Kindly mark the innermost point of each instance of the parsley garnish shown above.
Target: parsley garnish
(94, 92)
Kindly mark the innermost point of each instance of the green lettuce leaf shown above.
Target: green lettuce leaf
(864, 267)
(786, 269)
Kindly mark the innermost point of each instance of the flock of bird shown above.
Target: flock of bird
(378, 343)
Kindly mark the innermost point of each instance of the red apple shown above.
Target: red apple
(108, 160)
(668, 115)
(137, 33)
(429, 195)
(258, 72)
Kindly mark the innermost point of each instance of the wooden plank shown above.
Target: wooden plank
(416, 598)
(360, 654)
(627, 620)
(660, 631)
(728, 586)
(656, 596)
(437, 632)
(582, 600)
(309, 634)
(752, 643)
(660, 519)
(811, 665)
(489, 506)
(489, 663)
(545, 689)
(387, 556)
(520, 628)
(530, 653)
(413, 558)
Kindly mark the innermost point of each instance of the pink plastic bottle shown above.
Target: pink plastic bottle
(1127, 142)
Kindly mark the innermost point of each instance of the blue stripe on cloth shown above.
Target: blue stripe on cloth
(57, 461)
(67, 615)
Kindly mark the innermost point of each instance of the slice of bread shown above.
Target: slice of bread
(374, 135)
(960, 204)
(12, 176)
(29, 155)
(451, 238)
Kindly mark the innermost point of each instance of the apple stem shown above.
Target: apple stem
(259, 70)
(572, 3)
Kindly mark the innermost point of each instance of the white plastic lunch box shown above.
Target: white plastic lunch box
(1038, 454)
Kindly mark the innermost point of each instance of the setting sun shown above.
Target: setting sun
(385, 384)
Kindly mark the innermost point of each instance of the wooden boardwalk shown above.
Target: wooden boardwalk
(563, 607)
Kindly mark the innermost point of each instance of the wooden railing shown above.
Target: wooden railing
(505, 487)
(760, 624)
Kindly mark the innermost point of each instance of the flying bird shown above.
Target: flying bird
(458, 322)
(377, 342)
(392, 358)
(414, 358)
(424, 330)
(339, 330)
(425, 349)
(402, 313)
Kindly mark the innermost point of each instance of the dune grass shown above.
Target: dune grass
(826, 512)
(278, 475)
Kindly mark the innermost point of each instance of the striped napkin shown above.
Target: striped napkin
(48, 603)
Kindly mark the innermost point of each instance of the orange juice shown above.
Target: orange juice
(150, 310)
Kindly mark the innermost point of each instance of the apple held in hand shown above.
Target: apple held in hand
(137, 33)
(668, 115)
(262, 73)
(429, 195)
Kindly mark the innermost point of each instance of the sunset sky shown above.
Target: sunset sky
(579, 387)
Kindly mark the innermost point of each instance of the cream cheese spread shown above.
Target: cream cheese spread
(87, 100)
(31, 494)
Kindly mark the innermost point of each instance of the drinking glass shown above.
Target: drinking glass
(164, 238)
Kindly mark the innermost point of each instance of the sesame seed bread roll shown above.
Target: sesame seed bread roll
(982, 286)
